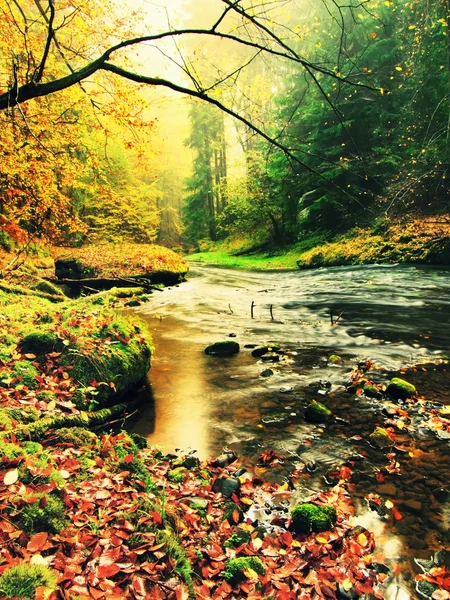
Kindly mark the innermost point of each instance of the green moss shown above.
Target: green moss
(21, 581)
(26, 374)
(335, 359)
(50, 517)
(46, 395)
(126, 292)
(237, 538)
(371, 391)
(230, 511)
(77, 436)
(317, 413)
(400, 389)
(309, 517)
(380, 438)
(237, 569)
(177, 475)
(48, 288)
(41, 342)
(5, 421)
(32, 447)
(10, 451)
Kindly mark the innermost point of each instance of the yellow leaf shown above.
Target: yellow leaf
(247, 501)
(250, 573)
(389, 504)
(51, 405)
(400, 424)
(362, 539)
(321, 540)
(11, 477)
(295, 544)
(398, 68)
(257, 543)
(65, 375)
(347, 584)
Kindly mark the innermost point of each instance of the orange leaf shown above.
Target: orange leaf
(181, 592)
(397, 514)
(107, 570)
(37, 542)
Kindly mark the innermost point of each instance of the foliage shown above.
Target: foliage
(124, 260)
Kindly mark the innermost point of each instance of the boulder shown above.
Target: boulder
(317, 413)
(226, 348)
(400, 389)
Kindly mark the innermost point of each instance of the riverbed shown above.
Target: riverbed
(397, 317)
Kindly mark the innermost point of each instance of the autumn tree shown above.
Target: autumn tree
(56, 55)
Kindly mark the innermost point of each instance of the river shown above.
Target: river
(396, 316)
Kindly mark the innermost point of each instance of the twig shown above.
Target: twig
(271, 311)
(251, 309)
(229, 307)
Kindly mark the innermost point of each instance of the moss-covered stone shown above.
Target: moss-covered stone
(371, 391)
(243, 567)
(177, 475)
(309, 517)
(48, 517)
(400, 389)
(22, 580)
(316, 412)
(380, 438)
(49, 288)
(41, 342)
(226, 348)
(24, 373)
(335, 359)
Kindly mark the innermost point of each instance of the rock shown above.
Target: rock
(426, 589)
(266, 373)
(335, 359)
(260, 350)
(440, 494)
(227, 486)
(400, 389)
(232, 335)
(270, 357)
(380, 438)
(286, 390)
(387, 489)
(224, 459)
(317, 413)
(442, 558)
(275, 420)
(413, 506)
(226, 348)
(371, 391)
(309, 517)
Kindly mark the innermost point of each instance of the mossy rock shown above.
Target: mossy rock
(316, 412)
(72, 268)
(309, 517)
(22, 580)
(177, 475)
(241, 568)
(77, 436)
(25, 373)
(49, 517)
(49, 288)
(380, 438)
(400, 389)
(371, 391)
(226, 348)
(335, 359)
(41, 343)
(237, 538)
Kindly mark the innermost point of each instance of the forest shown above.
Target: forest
(277, 428)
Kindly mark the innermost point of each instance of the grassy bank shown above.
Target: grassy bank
(424, 241)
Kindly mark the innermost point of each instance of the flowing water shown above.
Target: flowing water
(396, 316)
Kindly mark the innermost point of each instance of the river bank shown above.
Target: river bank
(104, 516)
(416, 241)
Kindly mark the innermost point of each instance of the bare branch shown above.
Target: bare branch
(50, 33)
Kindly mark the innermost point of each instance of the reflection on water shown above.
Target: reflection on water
(393, 315)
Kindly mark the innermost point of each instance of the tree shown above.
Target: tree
(51, 55)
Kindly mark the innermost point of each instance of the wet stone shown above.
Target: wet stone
(266, 373)
(270, 357)
(387, 489)
(227, 486)
(413, 506)
(417, 543)
(440, 494)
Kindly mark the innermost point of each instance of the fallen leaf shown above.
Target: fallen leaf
(11, 477)
(37, 541)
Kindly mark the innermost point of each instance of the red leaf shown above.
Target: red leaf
(128, 458)
(37, 541)
(107, 570)
(397, 515)
(157, 518)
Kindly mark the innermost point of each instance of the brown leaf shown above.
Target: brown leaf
(37, 541)
(107, 570)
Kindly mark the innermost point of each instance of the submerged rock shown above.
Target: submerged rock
(227, 486)
(317, 412)
(226, 348)
(380, 438)
(260, 350)
(400, 389)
